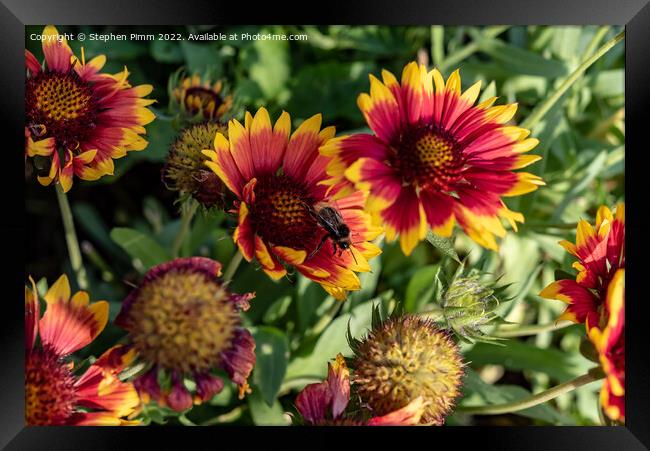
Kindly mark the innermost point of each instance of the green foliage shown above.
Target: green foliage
(127, 222)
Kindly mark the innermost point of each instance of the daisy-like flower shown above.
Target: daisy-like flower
(405, 358)
(609, 340)
(185, 171)
(54, 394)
(78, 119)
(435, 158)
(286, 215)
(202, 99)
(185, 324)
(600, 251)
(325, 403)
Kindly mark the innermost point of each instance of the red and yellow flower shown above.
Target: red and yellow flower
(597, 298)
(600, 251)
(324, 403)
(185, 324)
(609, 341)
(54, 394)
(435, 158)
(277, 179)
(202, 98)
(77, 120)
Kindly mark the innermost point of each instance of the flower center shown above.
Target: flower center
(63, 104)
(429, 158)
(182, 321)
(404, 359)
(280, 212)
(49, 389)
(185, 170)
(200, 99)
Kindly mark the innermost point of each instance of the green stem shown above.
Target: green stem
(434, 313)
(598, 36)
(532, 401)
(187, 213)
(232, 266)
(522, 331)
(544, 108)
(437, 45)
(470, 48)
(71, 238)
(227, 417)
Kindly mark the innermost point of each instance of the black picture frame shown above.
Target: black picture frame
(634, 14)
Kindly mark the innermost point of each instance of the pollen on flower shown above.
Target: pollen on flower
(429, 158)
(280, 212)
(49, 389)
(402, 359)
(185, 170)
(61, 104)
(182, 321)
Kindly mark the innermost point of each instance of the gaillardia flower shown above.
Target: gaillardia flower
(77, 120)
(609, 340)
(325, 403)
(184, 323)
(402, 359)
(435, 158)
(202, 99)
(54, 394)
(600, 252)
(185, 171)
(285, 213)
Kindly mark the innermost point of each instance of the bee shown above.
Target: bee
(337, 230)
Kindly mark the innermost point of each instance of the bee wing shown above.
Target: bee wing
(330, 217)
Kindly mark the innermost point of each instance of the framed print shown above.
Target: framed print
(378, 215)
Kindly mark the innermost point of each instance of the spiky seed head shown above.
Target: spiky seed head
(403, 358)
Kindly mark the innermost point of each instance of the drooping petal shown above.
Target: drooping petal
(239, 360)
(407, 218)
(406, 416)
(338, 380)
(313, 402)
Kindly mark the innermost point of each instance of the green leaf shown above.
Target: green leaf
(143, 249)
(272, 355)
(518, 355)
(330, 343)
(501, 394)
(263, 415)
(202, 58)
(444, 245)
(421, 288)
(268, 65)
(166, 51)
(519, 60)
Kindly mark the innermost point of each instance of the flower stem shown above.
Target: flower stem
(187, 213)
(522, 331)
(232, 266)
(71, 238)
(537, 399)
(544, 108)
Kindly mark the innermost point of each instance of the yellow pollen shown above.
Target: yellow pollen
(62, 98)
(182, 321)
(434, 150)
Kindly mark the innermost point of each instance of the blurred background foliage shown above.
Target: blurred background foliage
(127, 222)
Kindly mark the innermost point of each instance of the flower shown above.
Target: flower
(434, 158)
(54, 394)
(404, 358)
(277, 181)
(78, 119)
(324, 403)
(184, 169)
(609, 341)
(184, 323)
(204, 100)
(600, 251)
